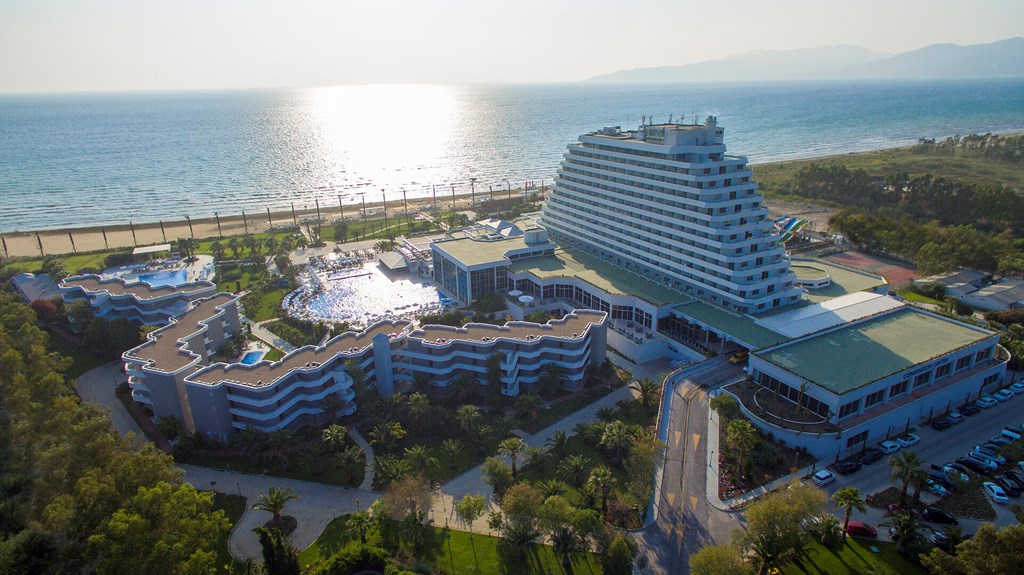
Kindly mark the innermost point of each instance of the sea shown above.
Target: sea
(71, 160)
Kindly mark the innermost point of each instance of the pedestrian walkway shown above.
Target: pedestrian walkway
(98, 385)
(269, 337)
(368, 476)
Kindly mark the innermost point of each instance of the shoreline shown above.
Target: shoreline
(86, 239)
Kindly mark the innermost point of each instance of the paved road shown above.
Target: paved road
(97, 385)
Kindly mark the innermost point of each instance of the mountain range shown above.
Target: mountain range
(937, 61)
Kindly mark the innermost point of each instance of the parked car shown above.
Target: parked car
(942, 424)
(870, 455)
(973, 464)
(985, 402)
(970, 410)
(1003, 395)
(1016, 476)
(936, 488)
(823, 477)
(955, 417)
(989, 463)
(739, 358)
(956, 471)
(847, 466)
(940, 540)
(1020, 464)
(936, 515)
(999, 440)
(1017, 388)
(894, 507)
(888, 447)
(1009, 486)
(908, 440)
(994, 492)
(989, 453)
(860, 529)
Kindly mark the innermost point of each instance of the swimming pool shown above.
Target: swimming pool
(367, 293)
(252, 357)
(156, 279)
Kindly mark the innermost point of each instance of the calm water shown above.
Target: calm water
(72, 160)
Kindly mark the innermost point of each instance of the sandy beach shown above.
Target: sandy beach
(93, 238)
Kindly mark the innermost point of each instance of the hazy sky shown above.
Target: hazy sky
(104, 45)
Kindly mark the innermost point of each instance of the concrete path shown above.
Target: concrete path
(368, 452)
(318, 504)
(98, 385)
(269, 337)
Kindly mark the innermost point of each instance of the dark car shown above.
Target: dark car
(861, 529)
(959, 467)
(938, 516)
(847, 466)
(1009, 486)
(973, 465)
(970, 410)
(1016, 476)
(870, 456)
(940, 424)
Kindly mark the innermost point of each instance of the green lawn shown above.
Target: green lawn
(854, 558)
(911, 295)
(460, 554)
(81, 360)
(274, 354)
(226, 459)
(575, 403)
(233, 507)
(432, 439)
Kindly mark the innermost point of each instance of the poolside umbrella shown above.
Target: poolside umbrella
(515, 293)
(527, 299)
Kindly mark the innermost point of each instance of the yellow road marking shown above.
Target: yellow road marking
(679, 435)
(671, 498)
(696, 440)
(693, 502)
(700, 395)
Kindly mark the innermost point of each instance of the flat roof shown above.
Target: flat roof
(738, 327)
(393, 261)
(574, 324)
(140, 289)
(163, 351)
(602, 275)
(152, 249)
(266, 373)
(803, 320)
(847, 358)
(844, 280)
(475, 252)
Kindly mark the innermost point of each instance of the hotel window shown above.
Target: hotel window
(963, 362)
(922, 378)
(874, 398)
(859, 438)
(943, 371)
(849, 409)
(983, 355)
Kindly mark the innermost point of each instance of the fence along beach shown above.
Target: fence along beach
(35, 243)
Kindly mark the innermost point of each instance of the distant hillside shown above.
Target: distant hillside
(1003, 58)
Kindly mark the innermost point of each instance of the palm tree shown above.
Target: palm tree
(905, 466)
(349, 456)
(271, 244)
(549, 487)
(217, 249)
(386, 434)
(574, 469)
(601, 480)
(411, 528)
(741, 436)
(451, 449)
(647, 391)
(235, 246)
(468, 416)
(849, 499)
(419, 458)
(535, 456)
(388, 469)
(800, 397)
(606, 414)
(287, 244)
(512, 447)
(527, 406)
(332, 404)
(301, 241)
(359, 524)
(275, 501)
(253, 243)
(905, 528)
(419, 407)
(616, 436)
(250, 441)
(565, 543)
(280, 444)
(558, 443)
(334, 437)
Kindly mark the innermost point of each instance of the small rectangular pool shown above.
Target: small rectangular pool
(157, 279)
(252, 357)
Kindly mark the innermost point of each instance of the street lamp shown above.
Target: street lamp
(239, 486)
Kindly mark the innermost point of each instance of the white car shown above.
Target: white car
(984, 460)
(955, 417)
(1017, 387)
(823, 477)
(908, 440)
(935, 488)
(985, 402)
(1003, 395)
(955, 473)
(888, 447)
(995, 492)
(983, 452)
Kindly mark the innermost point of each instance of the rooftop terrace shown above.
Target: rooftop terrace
(476, 252)
(163, 350)
(140, 289)
(572, 325)
(607, 277)
(849, 357)
(844, 280)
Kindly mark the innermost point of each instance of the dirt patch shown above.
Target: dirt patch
(816, 214)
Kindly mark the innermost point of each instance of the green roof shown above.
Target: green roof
(844, 280)
(604, 276)
(475, 252)
(855, 355)
(738, 327)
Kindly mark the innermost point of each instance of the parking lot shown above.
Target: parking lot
(939, 447)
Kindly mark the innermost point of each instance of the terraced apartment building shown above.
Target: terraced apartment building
(137, 301)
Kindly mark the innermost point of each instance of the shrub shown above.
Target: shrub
(351, 561)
